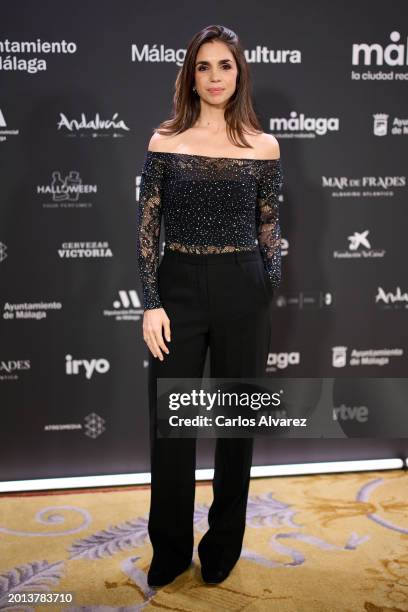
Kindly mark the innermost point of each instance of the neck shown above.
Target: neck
(211, 118)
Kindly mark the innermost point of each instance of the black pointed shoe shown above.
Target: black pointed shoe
(214, 575)
(160, 577)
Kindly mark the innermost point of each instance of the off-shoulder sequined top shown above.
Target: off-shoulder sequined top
(209, 205)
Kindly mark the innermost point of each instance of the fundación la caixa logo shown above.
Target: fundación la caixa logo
(359, 248)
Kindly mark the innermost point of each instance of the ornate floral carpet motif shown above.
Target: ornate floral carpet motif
(322, 543)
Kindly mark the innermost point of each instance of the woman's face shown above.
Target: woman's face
(215, 73)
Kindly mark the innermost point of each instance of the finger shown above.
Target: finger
(167, 332)
(155, 348)
(160, 342)
(149, 339)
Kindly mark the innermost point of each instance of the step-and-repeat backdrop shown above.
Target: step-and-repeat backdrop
(82, 85)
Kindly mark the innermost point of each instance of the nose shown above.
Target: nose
(214, 77)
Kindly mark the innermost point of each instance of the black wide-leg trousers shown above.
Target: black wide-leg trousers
(218, 302)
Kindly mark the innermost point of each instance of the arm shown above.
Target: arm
(269, 233)
(150, 209)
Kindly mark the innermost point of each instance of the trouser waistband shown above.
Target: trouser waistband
(212, 258)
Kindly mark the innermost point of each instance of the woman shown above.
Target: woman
(215, 177)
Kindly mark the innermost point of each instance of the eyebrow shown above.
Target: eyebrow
(222, 61)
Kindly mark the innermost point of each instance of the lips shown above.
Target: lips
(216, 90)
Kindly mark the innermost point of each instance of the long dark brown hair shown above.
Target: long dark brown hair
(239, 112)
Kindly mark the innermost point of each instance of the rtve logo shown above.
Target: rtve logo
(75, 366)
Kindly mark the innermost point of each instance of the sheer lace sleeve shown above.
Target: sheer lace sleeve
(150, 212)
(269, 234)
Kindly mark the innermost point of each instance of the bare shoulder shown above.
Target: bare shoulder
(161, 142)
(267, 146)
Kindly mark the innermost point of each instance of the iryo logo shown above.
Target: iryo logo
(72, 366)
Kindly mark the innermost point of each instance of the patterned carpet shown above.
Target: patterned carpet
(313, 543)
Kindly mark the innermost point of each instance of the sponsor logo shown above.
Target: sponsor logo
(15, 48)
(398, 126)
(362, 187)
(85, 366)
(284, 246)
(359, 248)
(127, 307)
(9, 370)
(29, 310)
(377, 55)
(66, 191)
(88, 250)
(93, 426)
(350, 413)
(280, 361)
(300, 126)
(160, 54)
(95, 127)
(304, 300)
(5, 130)
(390, 299)
(342, 356)
(3, 254)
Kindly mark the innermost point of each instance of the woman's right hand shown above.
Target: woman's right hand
(154, 320)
